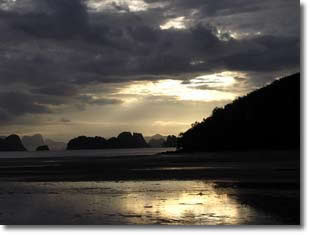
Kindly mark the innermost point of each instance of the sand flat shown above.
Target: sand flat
(231, 188)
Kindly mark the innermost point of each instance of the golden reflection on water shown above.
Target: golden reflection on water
(204, 204)
(128, 202)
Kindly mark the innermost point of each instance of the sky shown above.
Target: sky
(100, 67)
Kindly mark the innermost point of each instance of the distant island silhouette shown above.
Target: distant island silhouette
(157, 136)
(55, 145)
(42, 148)
(11, 143)
(159, 141)
(266, 118)
(155, 141)
(171, 141)
(123, 140)
(31, 143)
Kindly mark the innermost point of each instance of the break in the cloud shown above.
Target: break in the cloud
(99, 63)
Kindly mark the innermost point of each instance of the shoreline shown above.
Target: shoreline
(266, 180)
(278, 165)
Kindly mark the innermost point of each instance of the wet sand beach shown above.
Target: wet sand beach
(230, 188)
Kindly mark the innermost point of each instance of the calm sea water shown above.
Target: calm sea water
(86, 153)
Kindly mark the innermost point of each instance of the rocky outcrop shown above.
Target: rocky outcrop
(113, 143)
(12, 143)
(42, 148)
(32, 142)
(83, 142)
(55, 145)
(123, 140)
(171, 141)
(156, 137)
(139, 141)
(126, 140)
(156, 143)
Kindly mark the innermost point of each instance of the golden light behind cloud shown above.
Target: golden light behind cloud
(223, 79)
(191, 91)
(133, 5)
(177, 23)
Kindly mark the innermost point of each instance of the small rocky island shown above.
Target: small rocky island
(123, 140)
(42, 148)
(11, 143)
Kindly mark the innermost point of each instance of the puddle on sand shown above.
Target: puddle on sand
(143, 202)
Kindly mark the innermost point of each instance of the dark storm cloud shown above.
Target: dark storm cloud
(50, 18)
(213, 8)
(57, 48)
(14, 104)
(4, 116)
(86, 99)
(266, 53)
(124, 41)
(57, 90)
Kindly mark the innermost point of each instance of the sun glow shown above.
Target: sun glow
(242, 35)
(175, 88)
(223, 79)
(131, 5)
(191, 90)
(177, 23)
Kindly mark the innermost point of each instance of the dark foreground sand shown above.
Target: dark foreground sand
(253, 187)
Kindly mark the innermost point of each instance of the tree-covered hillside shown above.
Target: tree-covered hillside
(265, 118)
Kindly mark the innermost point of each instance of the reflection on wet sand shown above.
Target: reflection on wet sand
(143, 202)
(200, 206)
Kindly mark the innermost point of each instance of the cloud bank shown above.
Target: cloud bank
(62, 58)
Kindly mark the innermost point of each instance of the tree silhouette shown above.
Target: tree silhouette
(265, 118)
